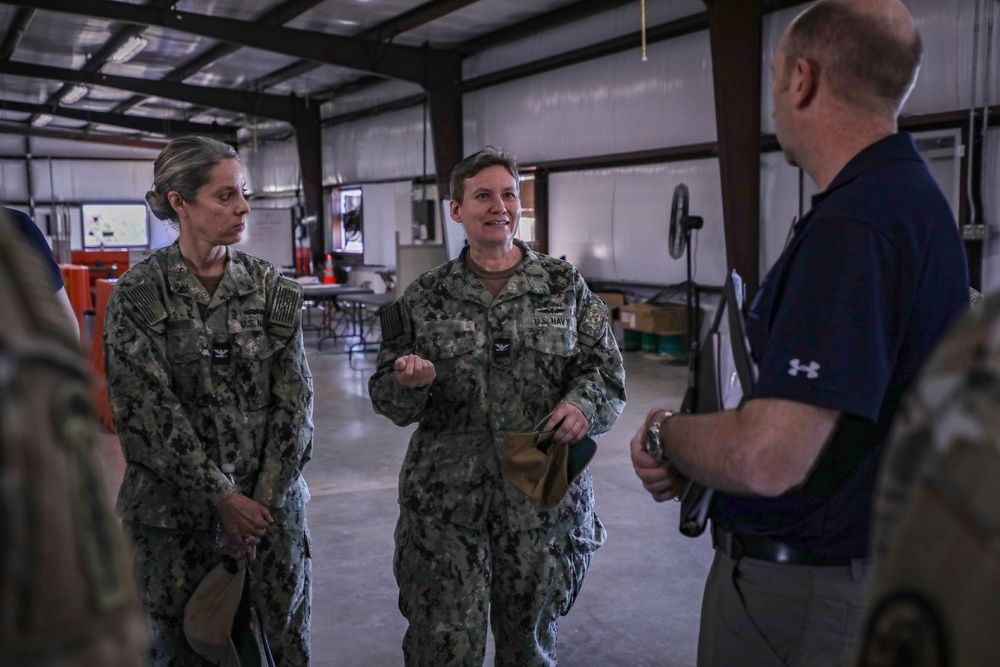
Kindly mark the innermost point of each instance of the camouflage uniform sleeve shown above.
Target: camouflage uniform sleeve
(400, 404)
(152, 426)
(596, 376)
(290, 425)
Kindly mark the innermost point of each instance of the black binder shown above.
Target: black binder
(721, 374)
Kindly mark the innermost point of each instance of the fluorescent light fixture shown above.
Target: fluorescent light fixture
(128, 50)
(41, 120)
(75, 94)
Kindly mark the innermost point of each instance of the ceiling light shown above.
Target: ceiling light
(128, 50)
(41, 120)
(75, 94)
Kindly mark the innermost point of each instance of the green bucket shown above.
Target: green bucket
(671, 346)
(632, 340)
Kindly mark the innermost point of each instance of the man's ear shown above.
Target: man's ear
(804, 83)
(456, 210)
(177, 202)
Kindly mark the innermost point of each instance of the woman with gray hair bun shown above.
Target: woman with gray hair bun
(212, 399)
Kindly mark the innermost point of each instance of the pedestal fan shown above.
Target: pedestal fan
(681, 224)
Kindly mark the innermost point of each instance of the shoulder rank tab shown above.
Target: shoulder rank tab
(287, 303)
(391, 319)
(142, 297)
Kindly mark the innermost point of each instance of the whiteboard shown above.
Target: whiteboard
(268, 235)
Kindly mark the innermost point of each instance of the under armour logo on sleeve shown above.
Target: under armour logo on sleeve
(810, 370)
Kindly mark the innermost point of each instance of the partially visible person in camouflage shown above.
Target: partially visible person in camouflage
(936, 589)
(501, 340)
(66, 597)
(205, 367)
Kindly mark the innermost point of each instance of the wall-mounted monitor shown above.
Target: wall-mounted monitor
(115, 226)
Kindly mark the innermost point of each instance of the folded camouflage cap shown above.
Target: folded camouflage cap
(209, 614)
(542, 469)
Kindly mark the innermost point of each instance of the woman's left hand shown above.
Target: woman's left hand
(244, 518)
(571, 423)
(237, 547)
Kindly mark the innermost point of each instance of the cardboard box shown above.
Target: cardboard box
(614, 301)
(654, 318)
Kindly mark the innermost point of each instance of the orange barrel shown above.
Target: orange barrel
(77, 279)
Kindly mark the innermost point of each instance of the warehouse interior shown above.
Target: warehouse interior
(628, 118)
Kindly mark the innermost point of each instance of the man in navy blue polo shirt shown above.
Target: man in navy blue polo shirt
(875, 273)
(33, 236)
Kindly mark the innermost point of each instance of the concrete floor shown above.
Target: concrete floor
(639, 605)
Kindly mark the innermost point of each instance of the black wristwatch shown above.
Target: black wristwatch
(653, 445)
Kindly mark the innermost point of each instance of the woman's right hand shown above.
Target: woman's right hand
(414, 372)
(244, 519)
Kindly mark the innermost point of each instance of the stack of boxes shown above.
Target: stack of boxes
(654, 328)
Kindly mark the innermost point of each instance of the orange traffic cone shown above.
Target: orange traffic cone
(328, 277)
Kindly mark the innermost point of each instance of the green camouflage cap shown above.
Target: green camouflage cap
(543, 470)
(209, 614)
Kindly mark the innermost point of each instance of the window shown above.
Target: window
(347, 221)
(526, 230)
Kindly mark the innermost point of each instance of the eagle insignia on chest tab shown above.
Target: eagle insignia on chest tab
(501, 348)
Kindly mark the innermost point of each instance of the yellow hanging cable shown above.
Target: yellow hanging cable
(643, 30)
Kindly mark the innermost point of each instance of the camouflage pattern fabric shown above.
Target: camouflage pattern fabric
(196, 381)
(66, 594)
(171, 563)
(937, 521)
(502, 366)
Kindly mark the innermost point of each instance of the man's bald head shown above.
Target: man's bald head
(868, 50)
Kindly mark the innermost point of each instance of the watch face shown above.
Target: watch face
(652, 444)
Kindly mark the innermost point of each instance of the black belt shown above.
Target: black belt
(736, 546)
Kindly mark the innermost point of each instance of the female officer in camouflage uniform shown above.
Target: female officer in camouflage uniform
(498, 341)
(205, 366)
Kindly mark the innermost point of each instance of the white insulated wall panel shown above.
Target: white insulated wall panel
(272, 167)
(611, 105)
(92, 180)
(613, 224)
(779, 206)
(370, 96)
(13, 180)
(385, 147)
(579, 34)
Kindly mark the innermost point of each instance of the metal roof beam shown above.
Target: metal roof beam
(279, 15)
(9, 128)
(540, 23)
(386, 30)
(416, 17)
(263, 105)
(165, 127)
(417, 64)
(16, 31)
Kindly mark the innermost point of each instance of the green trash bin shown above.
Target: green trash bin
(650, 343)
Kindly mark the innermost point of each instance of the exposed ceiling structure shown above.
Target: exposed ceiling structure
(142, 70)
